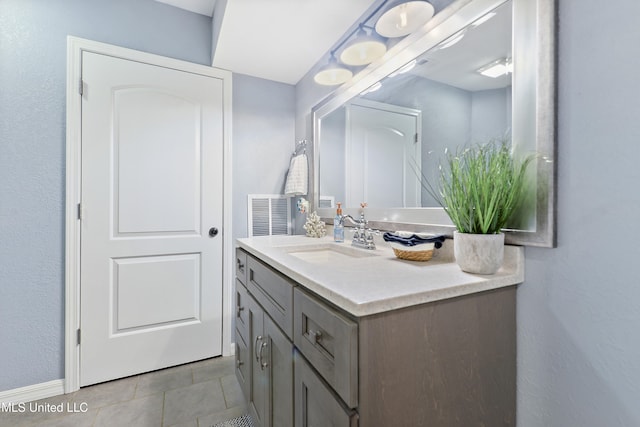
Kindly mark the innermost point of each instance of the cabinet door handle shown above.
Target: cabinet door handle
(240, 308)
(239, 265)
(262, 363)
(255, 348)
(238, 361)
(316, 336)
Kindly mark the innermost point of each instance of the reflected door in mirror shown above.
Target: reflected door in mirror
(378, 145)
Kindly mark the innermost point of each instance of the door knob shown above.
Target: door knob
(213, 232)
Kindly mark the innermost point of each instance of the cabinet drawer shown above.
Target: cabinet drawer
(330, 343)
(243, 364)
(241, 265)
(315, 404)
(242, 313)
(273, 291)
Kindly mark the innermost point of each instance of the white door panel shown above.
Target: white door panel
(381, 151)
(151, 277)
(151, 292)
(165, 195)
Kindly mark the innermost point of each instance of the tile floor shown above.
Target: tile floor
(199, 394)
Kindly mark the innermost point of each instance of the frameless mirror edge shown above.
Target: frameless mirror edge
(527, 22)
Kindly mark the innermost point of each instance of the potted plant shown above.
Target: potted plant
(479, 188)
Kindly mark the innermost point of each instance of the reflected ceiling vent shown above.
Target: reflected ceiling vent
(497, 68)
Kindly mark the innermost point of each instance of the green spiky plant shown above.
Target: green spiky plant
(481, 186)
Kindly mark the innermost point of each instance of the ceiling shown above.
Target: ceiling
(277, 40)
(203, 7)
(457, 65)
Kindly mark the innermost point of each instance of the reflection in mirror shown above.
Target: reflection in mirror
(480, 69)
(377, 146)
(368, 154)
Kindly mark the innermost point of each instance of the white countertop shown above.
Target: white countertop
(381, 282)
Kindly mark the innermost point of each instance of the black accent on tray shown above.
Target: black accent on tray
(414, 239)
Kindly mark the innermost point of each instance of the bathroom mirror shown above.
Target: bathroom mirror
(393, 121)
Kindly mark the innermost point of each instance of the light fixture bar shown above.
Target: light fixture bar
(364, 49)
(404, 17)
(454, 39)
(405, 68)
(483, 19)
(374, 87)
(332, 74)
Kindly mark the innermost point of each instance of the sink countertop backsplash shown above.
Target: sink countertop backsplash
(378, 281)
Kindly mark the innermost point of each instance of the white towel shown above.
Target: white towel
(298, 176)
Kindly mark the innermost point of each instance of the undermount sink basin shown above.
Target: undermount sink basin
(327, 253)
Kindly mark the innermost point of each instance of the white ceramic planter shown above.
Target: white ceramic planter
(478, 253)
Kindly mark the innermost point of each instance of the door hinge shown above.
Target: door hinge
(78, 336)
(79, 210)
(81, 87)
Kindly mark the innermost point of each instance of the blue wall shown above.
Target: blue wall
(263, 139)
(579, 309)
(32, 151)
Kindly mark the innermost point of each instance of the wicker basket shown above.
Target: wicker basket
(414, 255)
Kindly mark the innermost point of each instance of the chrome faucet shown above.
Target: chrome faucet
(362, 236)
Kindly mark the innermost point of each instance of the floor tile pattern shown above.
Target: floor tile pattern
(199, 394)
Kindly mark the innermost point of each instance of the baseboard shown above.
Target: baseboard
(33, 392)
(230, 351)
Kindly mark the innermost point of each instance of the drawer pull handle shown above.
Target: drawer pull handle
(240, 265)
(255, 348)
(262, 363)
(240, 308)
(316, 336)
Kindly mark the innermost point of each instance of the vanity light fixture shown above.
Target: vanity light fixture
(452, 40)
(364, 49)
(405, 68)
(332, 73)
(404, 17)
(374, 87)
(497, 68)
(483, 19)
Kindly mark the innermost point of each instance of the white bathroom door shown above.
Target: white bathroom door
(151, 256)
(382, 152)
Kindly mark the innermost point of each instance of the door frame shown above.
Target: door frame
(75, 47)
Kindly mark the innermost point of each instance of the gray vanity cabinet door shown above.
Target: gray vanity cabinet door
(243, 364)
(241, 265)
(315, 404)
(271, 377)
(258, 391)
(242, 313)
(278, 358)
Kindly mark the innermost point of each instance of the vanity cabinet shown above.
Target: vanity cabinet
(315, 403)
(270, 396)
(329, 341)
(447, 363)
(264, 364)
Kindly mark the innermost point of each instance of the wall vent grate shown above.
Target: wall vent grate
(269, 215)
